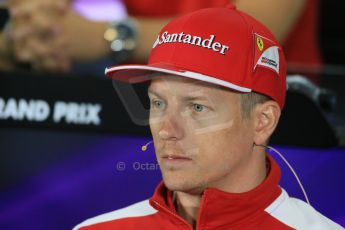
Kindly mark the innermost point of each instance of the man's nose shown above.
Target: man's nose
(172, 127)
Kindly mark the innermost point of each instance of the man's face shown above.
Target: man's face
(200, 137)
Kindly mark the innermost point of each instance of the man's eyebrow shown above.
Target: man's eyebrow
(184, 98)
(196, 95)
(193, 98)
(150, 91)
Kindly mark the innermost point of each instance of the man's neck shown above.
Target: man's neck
(187, 206)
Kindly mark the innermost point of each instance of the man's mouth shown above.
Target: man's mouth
(175, 160)
(171, 157)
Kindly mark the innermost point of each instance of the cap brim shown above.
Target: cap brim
(140, 73)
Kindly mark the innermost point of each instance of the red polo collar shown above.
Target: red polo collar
(219, 208)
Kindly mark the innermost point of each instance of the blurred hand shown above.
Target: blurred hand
(32, 27)
(51, 36)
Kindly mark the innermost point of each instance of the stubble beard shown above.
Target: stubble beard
(183, 184)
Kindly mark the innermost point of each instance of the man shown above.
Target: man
(218, 84)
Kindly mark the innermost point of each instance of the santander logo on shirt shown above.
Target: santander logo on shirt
(209, 43)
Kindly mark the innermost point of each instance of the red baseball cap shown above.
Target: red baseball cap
(222, 46)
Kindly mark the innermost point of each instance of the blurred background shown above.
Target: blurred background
(69, 149)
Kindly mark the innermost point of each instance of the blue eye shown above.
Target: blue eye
(199, 108)
(158, 104)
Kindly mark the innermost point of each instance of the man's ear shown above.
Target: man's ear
(266, 117)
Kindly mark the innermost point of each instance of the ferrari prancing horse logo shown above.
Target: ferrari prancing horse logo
(260, 43)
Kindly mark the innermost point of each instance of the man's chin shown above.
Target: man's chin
(186, 187)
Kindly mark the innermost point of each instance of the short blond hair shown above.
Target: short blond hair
(249, 101)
